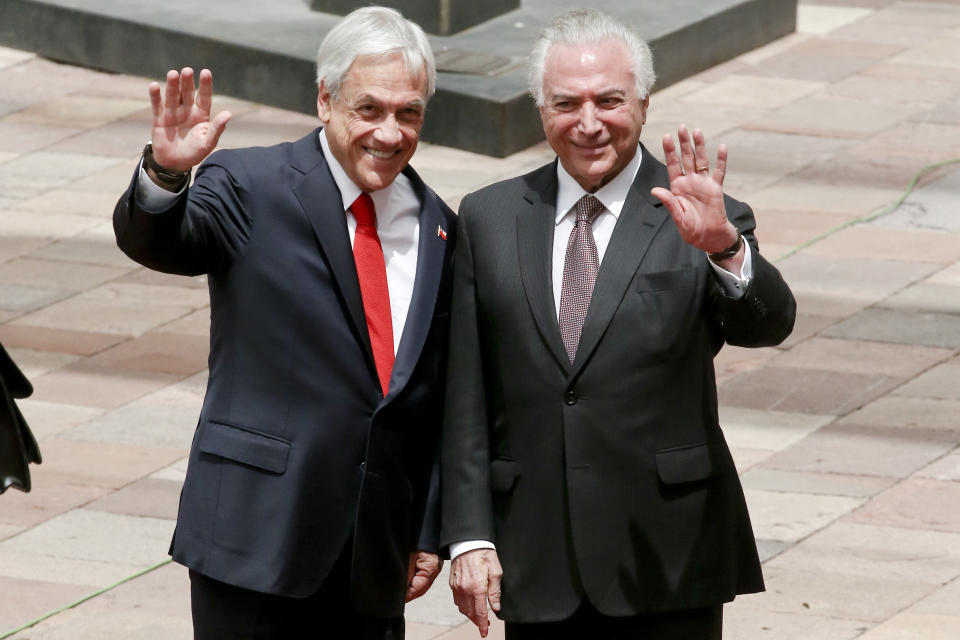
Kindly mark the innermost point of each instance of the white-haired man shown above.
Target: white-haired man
(310, 496)
(581, 446)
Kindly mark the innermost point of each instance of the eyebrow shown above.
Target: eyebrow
(600, 94)
(366, 97)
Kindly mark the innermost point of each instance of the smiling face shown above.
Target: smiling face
(591, 113)
(374, 124)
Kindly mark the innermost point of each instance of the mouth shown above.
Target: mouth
(382, 155)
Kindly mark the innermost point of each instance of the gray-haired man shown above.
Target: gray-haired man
(581, 436)
(311, 483)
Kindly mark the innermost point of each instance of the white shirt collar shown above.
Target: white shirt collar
(384, 200)
(612, 195)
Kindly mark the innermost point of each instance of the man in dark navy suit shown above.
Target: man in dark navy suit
(310, 493)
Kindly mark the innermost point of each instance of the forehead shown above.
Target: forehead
(588, 67)
(384, 77)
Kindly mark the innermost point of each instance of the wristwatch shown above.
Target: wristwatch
(169, 178)
(730, 251)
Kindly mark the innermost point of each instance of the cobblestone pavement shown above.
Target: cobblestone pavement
(846, 436)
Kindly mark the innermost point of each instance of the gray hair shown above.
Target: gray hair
(373, 31)
(588, 26)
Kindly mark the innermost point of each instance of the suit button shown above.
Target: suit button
(571, 397)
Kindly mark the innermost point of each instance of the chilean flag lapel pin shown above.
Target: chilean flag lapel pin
(441, 233)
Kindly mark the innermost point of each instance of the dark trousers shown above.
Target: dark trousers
(225, 612)
(589, 624)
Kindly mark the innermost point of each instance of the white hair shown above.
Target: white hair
(373, 31)
(588, 26)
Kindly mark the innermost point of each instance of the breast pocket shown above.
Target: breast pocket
(674, 279)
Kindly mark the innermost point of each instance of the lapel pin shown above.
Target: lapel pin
(441, 233)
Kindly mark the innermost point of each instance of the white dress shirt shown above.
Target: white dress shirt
(612, 195)
(398, 226)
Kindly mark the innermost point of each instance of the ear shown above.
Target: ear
(323, 103)
(643, 110)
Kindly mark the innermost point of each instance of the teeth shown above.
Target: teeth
(380, 154)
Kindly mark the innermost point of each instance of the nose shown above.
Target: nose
(589, 123)
(388, 132)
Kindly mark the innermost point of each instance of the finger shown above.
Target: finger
(186, 87)
(700, 160)
(720, 171)
(670, 156)
(172, 98)
(156, 101)
(673, 205)
(479, 616)
(217, 125)
(686, 150)
(205, 94)
(493, 591)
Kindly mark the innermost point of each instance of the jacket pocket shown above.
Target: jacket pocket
(241, 445)
(503, 474)
(694, 462)
(667, 280)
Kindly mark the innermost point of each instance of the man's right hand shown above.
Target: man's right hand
(183, 133)
(475, 580)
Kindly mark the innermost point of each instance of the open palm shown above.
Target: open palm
(183, 133)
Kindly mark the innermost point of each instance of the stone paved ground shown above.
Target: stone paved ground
(846, 436)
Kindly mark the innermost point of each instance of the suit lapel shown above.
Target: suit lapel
(431, 250)
(320, 199)
(535, 229)
(641, 217)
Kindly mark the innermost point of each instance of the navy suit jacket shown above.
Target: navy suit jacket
(296, 451)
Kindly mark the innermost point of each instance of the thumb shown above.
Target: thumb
(493, 591)
(218, 124)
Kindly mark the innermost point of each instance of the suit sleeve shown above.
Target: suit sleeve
(467, 510)
(201, 230)
(765, 314)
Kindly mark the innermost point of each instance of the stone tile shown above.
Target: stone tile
(257, 129)
(949, 276)
(36, 565)
(91, 386)
(134, 424)
(26, 138)
(83, 343)
(928, 208)
(926, 297)
(860, 356)
(113, 180)
(753, 91)
(193, 324)
(834, 305)
(176, 472)
(794, 227)
(895, 244)
(467, 631)
(832, 595)
(67, 275)
(895, 70)
(48, 419)
(152, 497)
(906, 626)
(804, 390)
(733, 360)
(142, 275)
(863, 450)
(10, 57)
(423, 631)
(877, 89)
(96, 245)
(185, 394)
(743, 623)
(43, 170)
(777, 515)
(746, 458)
(77, 110)
(770, 430)
(713, 119)
(9, 530)
(828, 484)
(49, 227)
(73, 201)
(879, 553)
(436, 605)
(49, 497)
(847, 199)
(123, 138)
(946, 113)
(946, 468)
(21, 299)
(84, 534)
(25, 600)
(821, 20)
(943, 601)
(910, 413)
(158, 352)
(36, 363)
(74, 462)
(940, 52)
(820, 59)
(767, 549)
(806, 326)
(917, 503)
(849, 118)
(898, 325)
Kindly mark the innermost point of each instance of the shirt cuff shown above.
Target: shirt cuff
(736, 285)
(460, 548)
(152, 197)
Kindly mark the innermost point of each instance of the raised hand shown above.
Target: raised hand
(183, 133)
(695, 197)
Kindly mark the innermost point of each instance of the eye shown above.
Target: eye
(411, 114)
(563, 105)
(610, 102)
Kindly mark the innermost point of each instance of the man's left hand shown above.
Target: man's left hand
(695, 197)
(423, 570)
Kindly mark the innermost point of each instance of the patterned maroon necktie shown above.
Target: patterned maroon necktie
(372, 273)
(580, 268)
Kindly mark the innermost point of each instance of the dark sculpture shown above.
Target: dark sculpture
(18, 447)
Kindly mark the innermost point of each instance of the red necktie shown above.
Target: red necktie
(372, 273)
